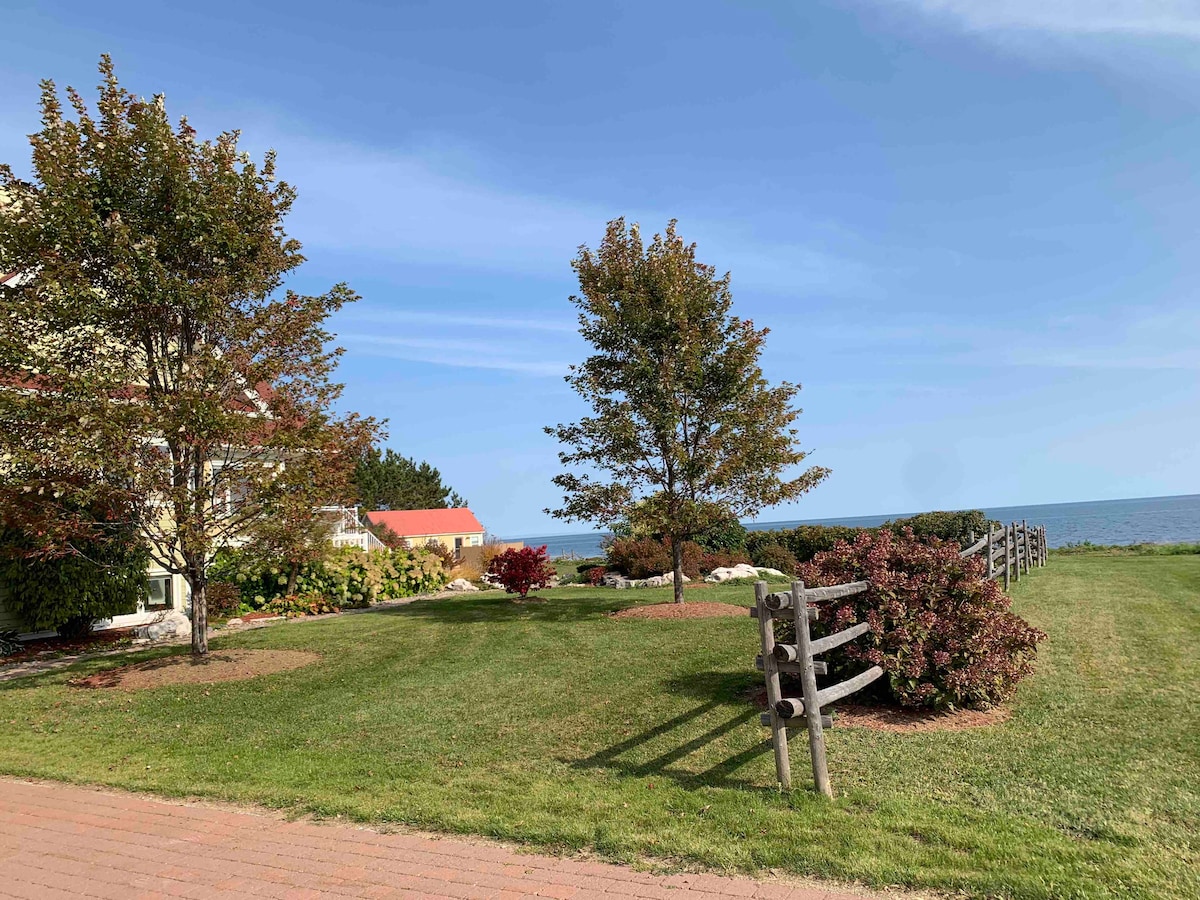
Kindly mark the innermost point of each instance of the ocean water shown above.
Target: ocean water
(1151, 520)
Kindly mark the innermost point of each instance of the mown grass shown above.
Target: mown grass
(1087, 547)
(559, 726)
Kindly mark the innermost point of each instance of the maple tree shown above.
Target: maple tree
(154, 362)
(685, 433)
(522, 570)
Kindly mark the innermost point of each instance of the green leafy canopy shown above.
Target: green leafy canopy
(684, 430)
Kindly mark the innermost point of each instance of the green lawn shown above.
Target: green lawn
(556, 725)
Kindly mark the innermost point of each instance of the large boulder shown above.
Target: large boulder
(167, 625)
(461, 584)
(741, 570)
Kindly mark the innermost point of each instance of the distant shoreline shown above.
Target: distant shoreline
(1154, 520)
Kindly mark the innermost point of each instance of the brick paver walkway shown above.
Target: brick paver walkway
(59, 841)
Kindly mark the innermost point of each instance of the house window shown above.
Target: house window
(159, 594)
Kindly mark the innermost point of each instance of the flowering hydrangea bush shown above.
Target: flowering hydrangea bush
(345, 577)
(521, 571)
(943, 636)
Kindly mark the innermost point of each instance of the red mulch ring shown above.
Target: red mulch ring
(261, 614)
(215, 666)
(97, 640)
(904, 721)
(908, 721)
(680, 611)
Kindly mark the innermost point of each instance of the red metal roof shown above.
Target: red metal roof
(419, 522)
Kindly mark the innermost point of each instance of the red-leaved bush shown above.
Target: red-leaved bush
(520, 571)
(943, 635)
(646, 557)
(722, 559)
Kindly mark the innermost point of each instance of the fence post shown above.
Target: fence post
(1045, 547)
(766, 632)
(988, 550)
(808, 678)
(1025, 535)
(1006, 552)
(1016, 548)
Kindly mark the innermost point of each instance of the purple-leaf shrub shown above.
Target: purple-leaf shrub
(943, 635)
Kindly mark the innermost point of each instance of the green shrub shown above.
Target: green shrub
(726, 536)
(773, 556)
(305, 604)
(347, 576)
(804, 542)
(69, 593)
(956, 526)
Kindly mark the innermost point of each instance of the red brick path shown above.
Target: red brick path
(58, 841)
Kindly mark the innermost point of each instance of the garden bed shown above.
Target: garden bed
(44, 648)
(688, 610)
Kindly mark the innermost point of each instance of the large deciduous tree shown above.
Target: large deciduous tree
(153, 362)
(388, 480)
(685, 431)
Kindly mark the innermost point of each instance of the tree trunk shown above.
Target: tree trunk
(677, 567)
(293, 572)
(198, 581)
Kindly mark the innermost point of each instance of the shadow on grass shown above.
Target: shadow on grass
(507, 607)
(719, 691)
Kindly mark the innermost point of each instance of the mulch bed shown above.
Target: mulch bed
(108, 639)
(899, 720)
(218, 665)
(691, 610)
(261, 614)
(908, 721)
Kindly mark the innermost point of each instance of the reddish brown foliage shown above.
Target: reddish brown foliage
(520, 571)
(943, 636)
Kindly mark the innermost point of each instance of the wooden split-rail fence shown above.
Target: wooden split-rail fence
(1016, 548)
(1010, 550)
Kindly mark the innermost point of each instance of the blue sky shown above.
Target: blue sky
(971, 227)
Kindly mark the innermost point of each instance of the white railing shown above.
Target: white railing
(347, 529)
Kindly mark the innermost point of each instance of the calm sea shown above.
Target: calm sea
(1152, 520)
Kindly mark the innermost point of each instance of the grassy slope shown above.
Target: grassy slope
(557, 725)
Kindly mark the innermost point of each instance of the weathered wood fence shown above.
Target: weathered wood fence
(1010, 550)
(798, 658)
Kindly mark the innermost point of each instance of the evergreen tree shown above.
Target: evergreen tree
(387, 480)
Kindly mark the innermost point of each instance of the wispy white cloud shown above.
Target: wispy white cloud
(415, 317)
(1156, 18)
(449, 352)
(407, 206)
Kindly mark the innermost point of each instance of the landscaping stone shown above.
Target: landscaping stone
(741, 570)
(173, 624)
(620, 582)
(461, 584)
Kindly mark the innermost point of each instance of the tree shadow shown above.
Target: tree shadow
(717, 690)
(496, 607)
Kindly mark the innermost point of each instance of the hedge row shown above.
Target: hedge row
(806, 541)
